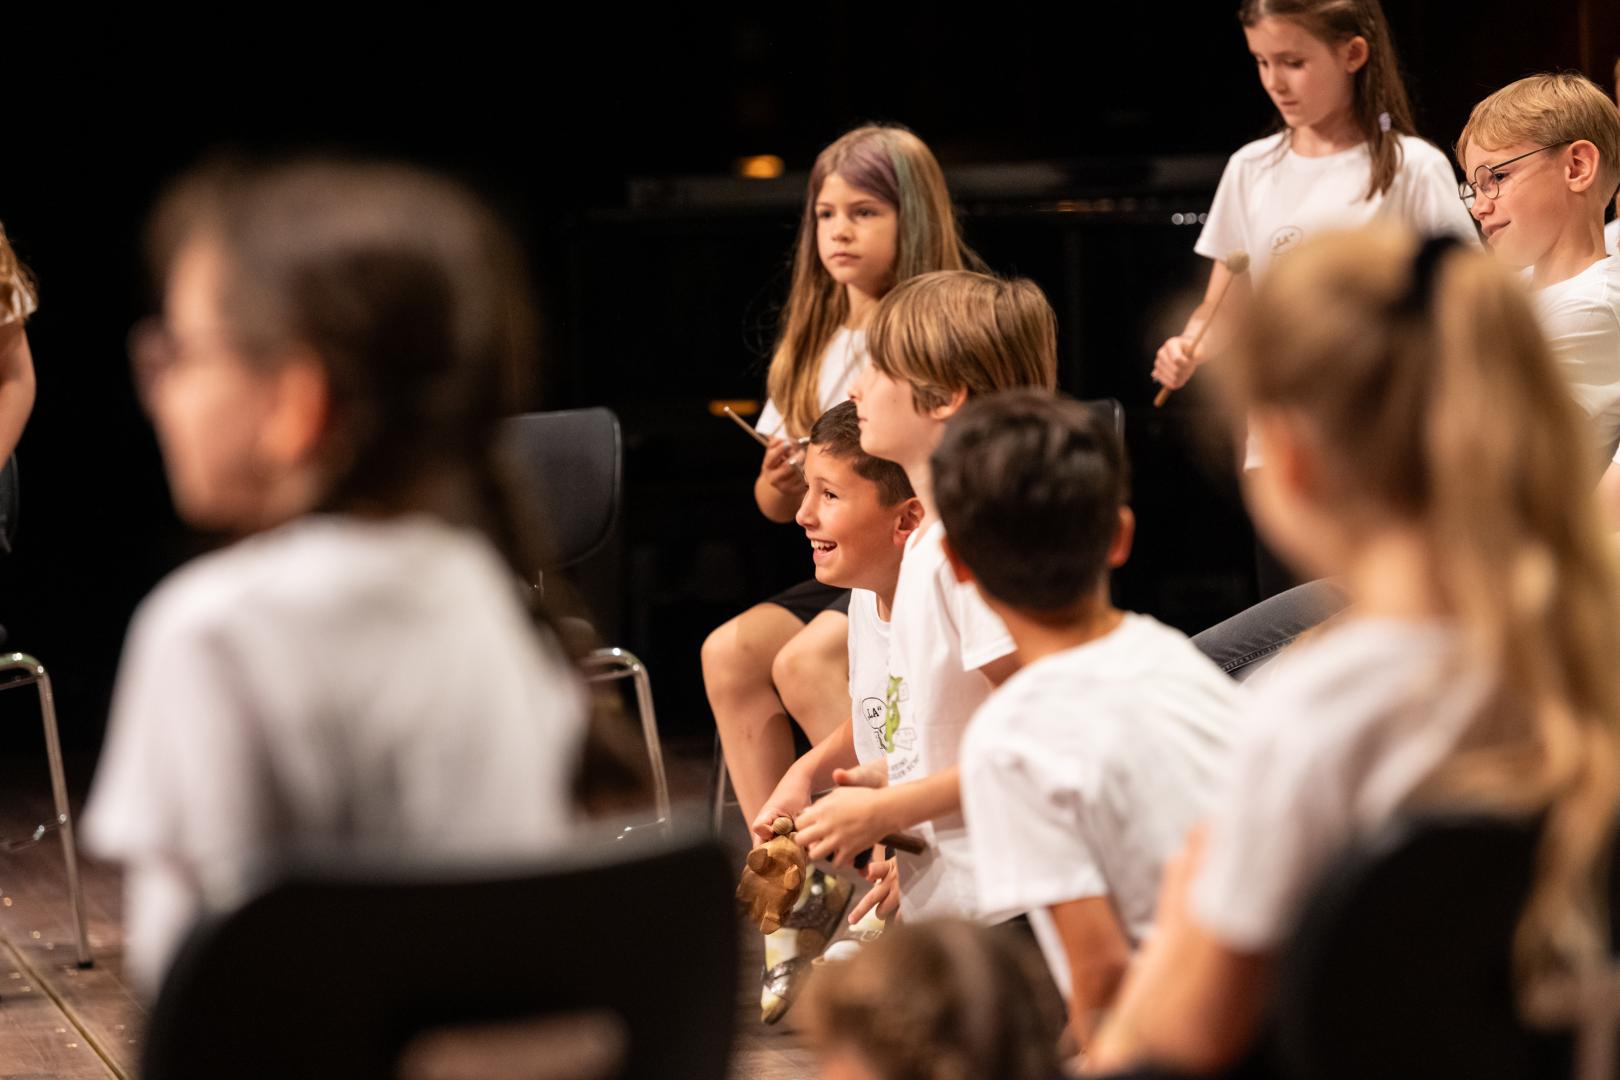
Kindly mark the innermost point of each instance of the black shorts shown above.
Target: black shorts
(810, 598)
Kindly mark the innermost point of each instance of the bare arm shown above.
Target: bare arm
(16, 386)
(1189, 1002)
(850, 820)
(1173, 364)
(1098, 956)
(812, 772)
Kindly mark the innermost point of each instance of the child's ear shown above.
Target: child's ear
(906, 521)
(1355, 54)
(1584, 159)
(298, 417)
(958, 567)
(1124, 536)
(952, 406)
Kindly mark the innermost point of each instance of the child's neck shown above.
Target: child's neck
(1579, 245)
(1094, 617)
(1330, 135)
(861, 306)
(1391, 575)
(922, 485)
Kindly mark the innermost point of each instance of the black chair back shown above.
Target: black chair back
(10, 500)
(573, 463)
(334, 971)
(1402, 967)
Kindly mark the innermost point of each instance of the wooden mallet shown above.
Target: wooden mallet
(1236, 263)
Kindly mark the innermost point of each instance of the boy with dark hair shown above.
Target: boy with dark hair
(1084, 771)
(857, 512)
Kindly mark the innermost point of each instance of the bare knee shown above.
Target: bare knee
(810, 669)
(739, 652)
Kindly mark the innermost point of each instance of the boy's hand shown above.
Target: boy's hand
(789, 799)
(884, 874)
(1173, 364)
(781, 467)
(844, 822)
(873, 774)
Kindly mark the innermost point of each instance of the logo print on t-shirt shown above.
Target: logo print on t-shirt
(891, 712)
(874, 709)
(1286, 239)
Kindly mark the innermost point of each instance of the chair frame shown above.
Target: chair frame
(30, 672)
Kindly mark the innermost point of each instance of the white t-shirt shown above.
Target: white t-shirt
(1085, 771)
(940, 634)
(1611, 237)
(1581, 318)
(1333, 746)
(869, 677)
(840, 363)
(1270, 198)
(370, 685)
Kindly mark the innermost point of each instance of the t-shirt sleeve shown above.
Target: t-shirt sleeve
(1433, 207)
(984, 636)
(1283, 813)
(1225, 229)
(1021, 807)
(770, 420)
(183, 776)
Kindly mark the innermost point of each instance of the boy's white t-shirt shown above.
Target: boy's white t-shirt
(1085, 771)
(1611, 237)
(1332, 747)
(840, 363)
(333, 683)
(1271, 199)
(1581, 319)
(869, 677)
(940, 634)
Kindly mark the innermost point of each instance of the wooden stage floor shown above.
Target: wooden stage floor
(57, 1021)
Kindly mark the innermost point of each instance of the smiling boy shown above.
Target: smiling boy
(1542, 160)
(857, 513)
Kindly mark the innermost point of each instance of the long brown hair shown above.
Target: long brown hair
(1379, 90)
(887, 162)
(416, 302)
(1440, 407)
(18, 296)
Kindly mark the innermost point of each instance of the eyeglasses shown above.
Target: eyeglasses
(154, 353)
(1487, 179)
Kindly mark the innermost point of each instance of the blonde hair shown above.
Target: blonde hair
(1548, 110)
(887, 162)
(960, 330)
(18, 296)
(1377, 90)
(1441, 405)
(942, 1000)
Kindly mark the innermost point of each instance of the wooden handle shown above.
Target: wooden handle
(1164, 392)
(910, 843)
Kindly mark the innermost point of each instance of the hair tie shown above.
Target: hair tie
(1383, 121)
(1428, 256)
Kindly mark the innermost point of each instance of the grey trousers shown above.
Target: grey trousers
(1252, 638)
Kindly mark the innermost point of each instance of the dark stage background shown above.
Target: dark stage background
(1079, 145)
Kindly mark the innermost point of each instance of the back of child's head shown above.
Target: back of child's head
(889, 163)
(838, 433)
(941, 1000)
(17, 294)
(406, 292)
(1549, 110)
(1382, 109)
(1029, 486)
(958, 330)
(1428, 393)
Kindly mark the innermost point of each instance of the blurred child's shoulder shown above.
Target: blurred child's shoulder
(1261, 151)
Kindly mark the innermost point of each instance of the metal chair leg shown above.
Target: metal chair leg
(619, 663)
(34, 672)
